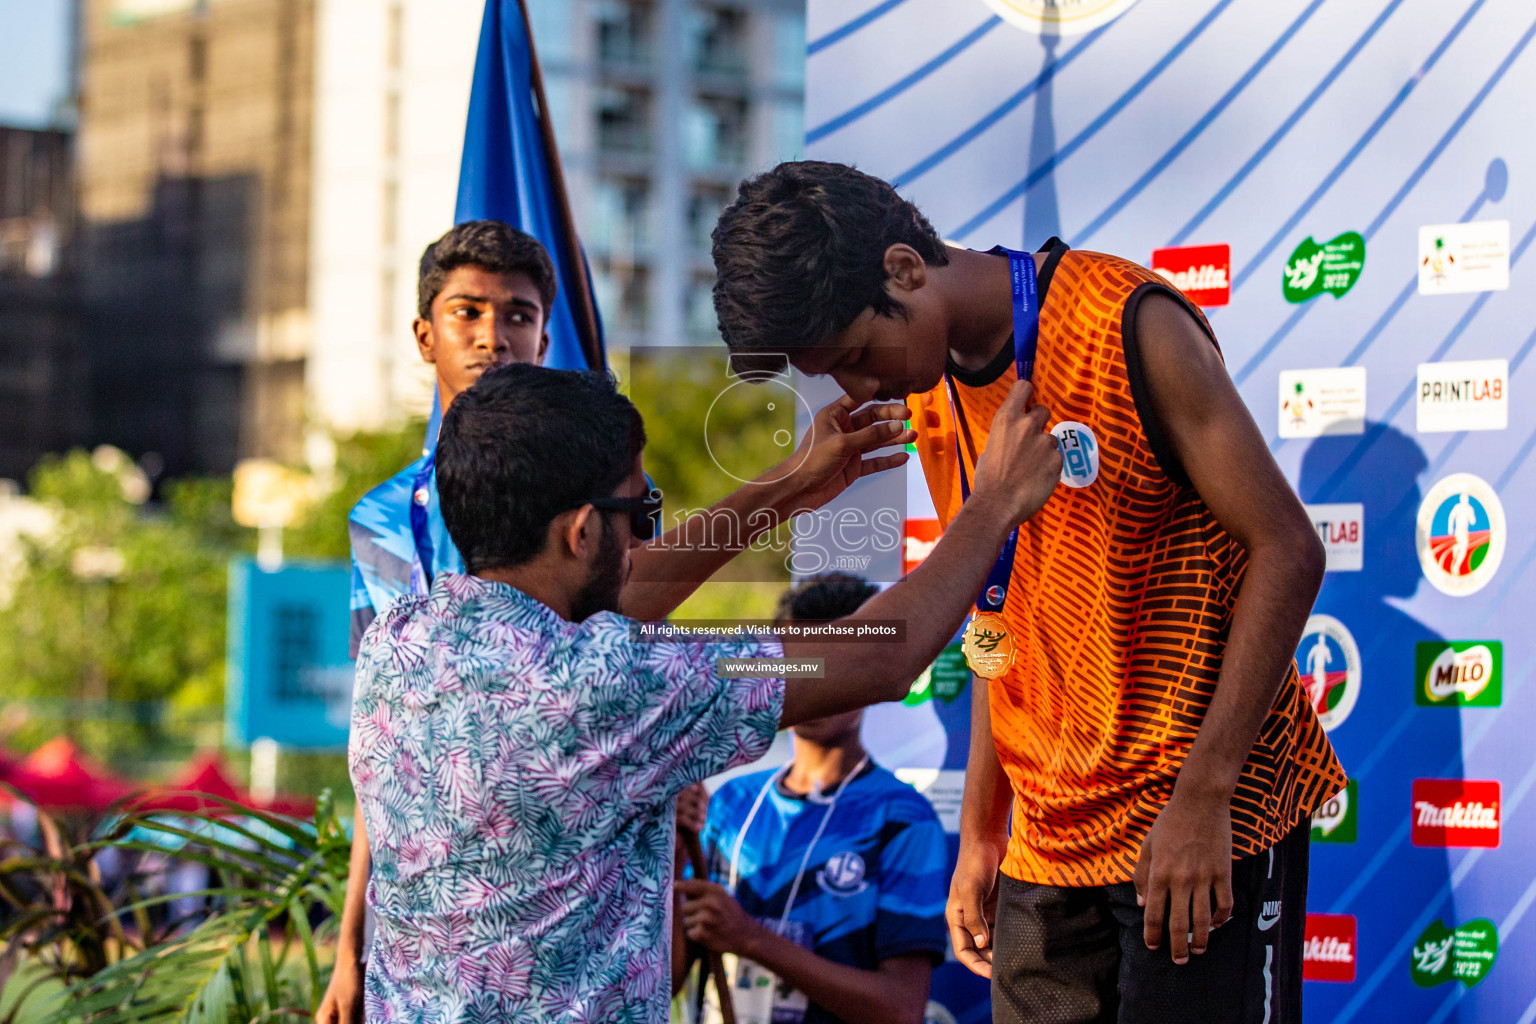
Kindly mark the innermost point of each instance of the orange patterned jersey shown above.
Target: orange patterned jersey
(1120, 602)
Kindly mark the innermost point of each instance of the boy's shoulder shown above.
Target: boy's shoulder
(384, 510)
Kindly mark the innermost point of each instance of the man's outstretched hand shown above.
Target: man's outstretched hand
(835, 452)
(1022, 462)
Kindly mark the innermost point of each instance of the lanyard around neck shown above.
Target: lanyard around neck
(774, 780)
(1026, 340)
(421, 533)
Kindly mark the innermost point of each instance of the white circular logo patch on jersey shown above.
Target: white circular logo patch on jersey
(1079, 453)
(843, 875)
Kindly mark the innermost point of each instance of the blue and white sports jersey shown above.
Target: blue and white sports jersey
(875, 884)
(385, 560)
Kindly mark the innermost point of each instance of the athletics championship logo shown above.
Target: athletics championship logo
(1059, 17)
(1461, 534)
(1330, 669)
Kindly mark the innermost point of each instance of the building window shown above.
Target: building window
(620, 216)
(717, 40)
(704, 208)
(623, 121)
(786, 129)
(624, 33)
(623, 294)
(715, 133)
(554, 29)
(789, 50)
(703, 326)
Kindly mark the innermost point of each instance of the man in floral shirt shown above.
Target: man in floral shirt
(517, 751)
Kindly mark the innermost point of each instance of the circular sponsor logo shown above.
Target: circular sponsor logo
(1059, 17)
(1330, 669)
(1079, 453)
(843, 874)
(1461, 534)
(995, 595)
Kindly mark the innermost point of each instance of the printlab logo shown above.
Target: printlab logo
(1341, 528)
(843, 874)
(1466, 954)
(1329, 950)
(945, 680)
(1455, 812)
(1079, 453)
(1202, 272)
(1322, 401)
(1471, 395)
(1461, 534)
(1059, 17)
(1337, 821)
(1472, 257)
(1459, 673)
(1332, 267)
(1330, 669)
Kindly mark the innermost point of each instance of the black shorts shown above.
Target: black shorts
(1077, 956)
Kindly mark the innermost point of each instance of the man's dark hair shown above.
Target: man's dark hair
(824, 598)
(800, 254)
(490, 244)
(523, 445)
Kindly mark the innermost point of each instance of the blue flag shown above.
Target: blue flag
(511, 172)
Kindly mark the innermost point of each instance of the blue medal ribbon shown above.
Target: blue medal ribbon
(1026, 340)
(421, 572)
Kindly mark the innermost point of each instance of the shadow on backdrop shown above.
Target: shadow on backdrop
(1387, 741)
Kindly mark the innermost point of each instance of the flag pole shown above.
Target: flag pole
(583, 306)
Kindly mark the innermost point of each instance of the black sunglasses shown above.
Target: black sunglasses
(644, 511)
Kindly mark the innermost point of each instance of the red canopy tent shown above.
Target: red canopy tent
(58, 777)
(206, 775)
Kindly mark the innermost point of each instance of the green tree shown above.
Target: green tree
(120, 602)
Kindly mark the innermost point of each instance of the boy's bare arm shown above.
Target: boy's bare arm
(1187, 857)
(1014, 477)
(343, 999)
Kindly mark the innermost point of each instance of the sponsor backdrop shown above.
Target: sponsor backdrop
(1350, 191)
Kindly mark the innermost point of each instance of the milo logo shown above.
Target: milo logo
(1459, 673)
(1336, 821)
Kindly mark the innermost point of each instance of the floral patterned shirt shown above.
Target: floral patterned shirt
(518, 776)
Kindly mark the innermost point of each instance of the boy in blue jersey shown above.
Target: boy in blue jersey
(483, 293)
(839, 871)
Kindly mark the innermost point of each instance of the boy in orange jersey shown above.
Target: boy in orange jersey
(1144, 723)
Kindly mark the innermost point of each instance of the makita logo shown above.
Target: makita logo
(1458, 815)
(1202, 272)
(1199, 279)
(1455, 812)
(1328, 952)
(1328, 949)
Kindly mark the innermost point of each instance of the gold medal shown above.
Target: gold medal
(987, 646)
